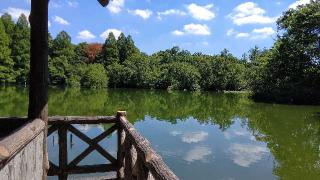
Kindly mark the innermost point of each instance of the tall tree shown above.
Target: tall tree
(6, 63)
(126, 47)
(21, 49)
(293, 72)
(109, 53)
(8, 24)
(80, 54)
(59, 62)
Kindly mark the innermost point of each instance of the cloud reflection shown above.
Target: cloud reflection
(199, 153)
(191, 137)
(246, 154)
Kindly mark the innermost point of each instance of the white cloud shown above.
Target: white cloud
(85, 35)
(116, 33)
(263, 33)
(231, 32)
(197, 29)
(49, 24)
(246, 154)
(194, 137)
(54, 4)
(193, 29)
(242, 35)
(298, 3)
(143, 13)
(201, 12)
(72, 4)
(169, 12)
(199, 153)
(116, 6)
(16, 12)
(178, 33)
(250, 13)
(60, 20)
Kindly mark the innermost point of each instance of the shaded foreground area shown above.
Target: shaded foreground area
(290, 133)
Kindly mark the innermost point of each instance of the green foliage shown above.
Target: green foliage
(7, 74)
(126, 47)
(180, 75)
(109, 53)
(288, 72)
(291, 73)
(95, 76)
(80, 56)
(20, 47)
(62, 53)
(116, 74)
(59, 68)
(8, 24)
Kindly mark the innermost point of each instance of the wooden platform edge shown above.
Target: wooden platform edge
(151, 159)
(82, 119)
(17, 140)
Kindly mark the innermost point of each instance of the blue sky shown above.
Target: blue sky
(206, 26)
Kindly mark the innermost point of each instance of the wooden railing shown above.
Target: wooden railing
(135, 157)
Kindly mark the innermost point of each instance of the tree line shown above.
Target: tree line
(288, 72)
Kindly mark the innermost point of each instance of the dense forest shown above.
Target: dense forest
(288, 72)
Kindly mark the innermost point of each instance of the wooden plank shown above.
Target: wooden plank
(128, 164)
(52, 129)
(38, 81)
(14, 143)
(86, 139)
(92, 169)
(53, 170)
(82, 119)
(151, 159)
(63, 152)
(120, 154)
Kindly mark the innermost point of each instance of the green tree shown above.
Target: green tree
(180, 75)
(95, 76)
(8, 24)
(109, 53)
(116, 74)
(80, 54)
(292, 74)
(6, 63)
(126, 47)
(20, 47)
(62, 53)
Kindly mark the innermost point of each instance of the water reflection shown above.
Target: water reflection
(198, 153)
(191, 137)
(246, 154)
(202, 135)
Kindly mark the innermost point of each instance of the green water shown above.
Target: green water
(200, 136)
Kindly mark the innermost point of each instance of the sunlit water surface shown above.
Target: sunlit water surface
(201, 136)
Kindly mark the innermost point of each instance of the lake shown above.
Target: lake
(201, 136)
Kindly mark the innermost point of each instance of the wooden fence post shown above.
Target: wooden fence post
(63, 152)
(38, 89)
(121, 143)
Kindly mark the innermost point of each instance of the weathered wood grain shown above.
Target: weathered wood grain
(151, 159)
(82, 119)
(14, 143)
(27, 164)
